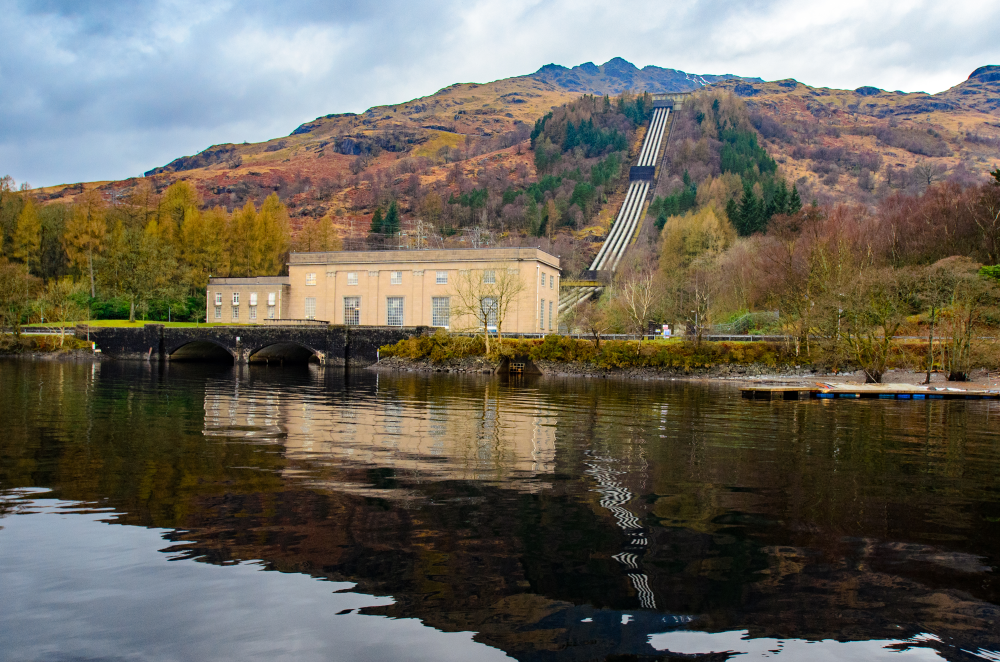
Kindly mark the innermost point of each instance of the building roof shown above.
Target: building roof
(425, 255)
(260, 280)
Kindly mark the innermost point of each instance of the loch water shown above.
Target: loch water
(208, 512)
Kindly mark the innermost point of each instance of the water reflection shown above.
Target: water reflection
(555, 520)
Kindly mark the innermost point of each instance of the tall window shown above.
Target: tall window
(543, 280)
(541, 315)
(253, 298)
(253, 312)
(352, 277)
(236, 313)
(270, 312)
(394, 311)
(440, 311)
(552, 281)
(395, 277)
(310, 308)
(271, 298)
(311, 278)
(352, 311)
(236, 298)
(488, 308)
(218, 312)
(489, 277)
(218, 298)
(551, 316)
(441, 278)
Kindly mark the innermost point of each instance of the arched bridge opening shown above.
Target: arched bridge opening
(202, 351)
(284, 353)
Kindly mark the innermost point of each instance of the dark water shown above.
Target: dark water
(208, 513)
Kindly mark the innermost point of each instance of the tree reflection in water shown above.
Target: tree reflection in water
(554, 519)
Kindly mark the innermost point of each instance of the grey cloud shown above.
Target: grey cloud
(107, 90)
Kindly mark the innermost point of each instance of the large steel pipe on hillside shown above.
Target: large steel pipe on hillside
(654, 129)
(630, 230)
(615, 227)
(658, 138)
(612, 240)
(653, 123)
(623, 239)
(621, 236)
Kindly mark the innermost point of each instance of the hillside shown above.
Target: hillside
(835, 145)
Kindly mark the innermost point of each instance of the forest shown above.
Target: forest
(142, 254)
(734, 249)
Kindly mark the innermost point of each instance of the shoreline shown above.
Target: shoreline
(757, 374)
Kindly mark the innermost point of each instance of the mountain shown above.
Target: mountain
(824, 140)
(617, 75)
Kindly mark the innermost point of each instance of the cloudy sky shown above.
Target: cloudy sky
(108, 89)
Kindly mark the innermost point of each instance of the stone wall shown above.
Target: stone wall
(332, 345)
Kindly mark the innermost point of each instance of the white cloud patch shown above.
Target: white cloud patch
(107, 90)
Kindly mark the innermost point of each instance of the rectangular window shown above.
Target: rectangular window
(352, 311)
(271, 298)
(395, 277)
(236, 298)
(552, 281)
(311, 278)
(218, 298)
(441, 278)
(253, 298)
(236, 313)
(270, 312)
(440, 311)
(489, 277)
(543, 280)
(253, 312)
(488, 312)
(352, 277)
(541, 316)
(310, 308)
(394, 311)
(551, 316)
(218, 312)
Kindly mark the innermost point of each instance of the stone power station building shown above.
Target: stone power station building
(456, 289)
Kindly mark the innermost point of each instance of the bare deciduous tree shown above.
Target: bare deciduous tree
(484, 298)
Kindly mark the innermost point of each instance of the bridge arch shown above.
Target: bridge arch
(285, 352)
(203, 350)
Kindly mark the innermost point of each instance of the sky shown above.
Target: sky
(107, 90)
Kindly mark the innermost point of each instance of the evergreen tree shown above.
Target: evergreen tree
(390, 226)
(733, 214)
(794, 201)
(377, 221)
(751, 212)
(779, 201)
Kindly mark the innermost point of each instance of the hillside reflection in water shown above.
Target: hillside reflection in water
(541, 519)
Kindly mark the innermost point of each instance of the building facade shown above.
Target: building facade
(518, 286)
(247, 300)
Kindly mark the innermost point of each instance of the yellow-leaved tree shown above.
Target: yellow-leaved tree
(317, 234)
(85, 232)
(259, 240)
(28, 235)
(202, 246)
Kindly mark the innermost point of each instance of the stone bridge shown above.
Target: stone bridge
(320, 343)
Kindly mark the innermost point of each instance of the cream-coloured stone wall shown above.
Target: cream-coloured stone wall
(223, 289)
(327, 278)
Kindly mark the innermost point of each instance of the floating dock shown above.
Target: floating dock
(870, 391)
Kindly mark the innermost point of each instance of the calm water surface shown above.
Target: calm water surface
(217, 513)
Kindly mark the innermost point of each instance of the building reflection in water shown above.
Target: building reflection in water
(438, 437)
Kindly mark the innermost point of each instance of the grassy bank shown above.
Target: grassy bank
(10, 344)
(670, 354)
